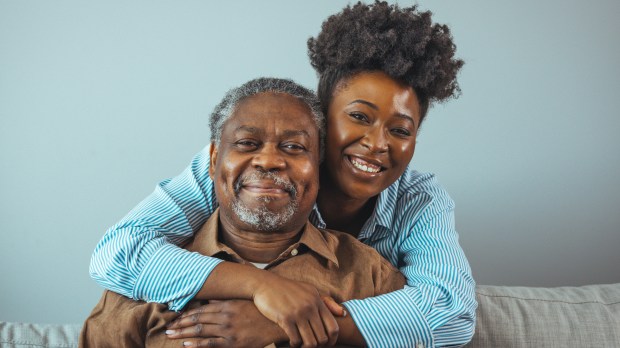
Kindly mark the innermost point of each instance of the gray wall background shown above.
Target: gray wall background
(101, 100)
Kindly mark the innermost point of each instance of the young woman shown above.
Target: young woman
(380, 69)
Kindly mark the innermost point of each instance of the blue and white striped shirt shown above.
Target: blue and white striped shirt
(412, 226)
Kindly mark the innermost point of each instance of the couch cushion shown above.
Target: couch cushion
(19, 335)
(587, 316)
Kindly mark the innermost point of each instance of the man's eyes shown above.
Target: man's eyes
(246, 144)
(293, 147)
(250, 145)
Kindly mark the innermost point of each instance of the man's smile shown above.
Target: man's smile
(265, 188)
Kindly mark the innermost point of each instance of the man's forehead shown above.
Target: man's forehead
(287, 132)
(265, 112)
(283, 102)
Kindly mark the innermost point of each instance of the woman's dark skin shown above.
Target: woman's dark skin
(371, 135)
(372, 120)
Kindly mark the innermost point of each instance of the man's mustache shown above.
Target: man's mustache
(284, 184)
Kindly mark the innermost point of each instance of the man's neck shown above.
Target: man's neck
(257, 246)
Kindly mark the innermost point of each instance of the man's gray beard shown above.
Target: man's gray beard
(261, 218)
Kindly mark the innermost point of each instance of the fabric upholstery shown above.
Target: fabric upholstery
(22, 335)
(586, 316)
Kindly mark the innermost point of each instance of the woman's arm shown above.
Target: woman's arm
(437, 308)
(140, 258)
(133, 257)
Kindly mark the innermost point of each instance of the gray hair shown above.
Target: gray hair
(224, 110)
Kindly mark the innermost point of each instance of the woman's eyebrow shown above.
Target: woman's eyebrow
(375, 107)
(405, 116)
(361, 101)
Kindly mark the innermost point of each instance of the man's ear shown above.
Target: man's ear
(213, 160)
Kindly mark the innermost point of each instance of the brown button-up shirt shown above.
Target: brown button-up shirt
(336, 263)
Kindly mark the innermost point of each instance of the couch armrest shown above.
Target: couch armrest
(587, 316)
(22, 335)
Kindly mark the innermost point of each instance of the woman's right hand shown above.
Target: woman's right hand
(298, 308)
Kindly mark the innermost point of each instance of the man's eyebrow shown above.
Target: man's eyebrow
(291, 133)
(248, 129)
(286, 133)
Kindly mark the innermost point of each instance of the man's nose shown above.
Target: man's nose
(269, 158)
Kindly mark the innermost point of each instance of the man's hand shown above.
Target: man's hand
(231, 323)
(295, 306)
(298, 309)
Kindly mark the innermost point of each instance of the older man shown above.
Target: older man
(265, 153)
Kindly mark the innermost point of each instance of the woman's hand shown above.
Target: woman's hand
(295, 306)
(231, 323)
(298, 309)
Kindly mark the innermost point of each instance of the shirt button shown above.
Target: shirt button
(294, 252)
(419, 345)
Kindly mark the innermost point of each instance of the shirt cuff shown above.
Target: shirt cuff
(391, 320)
(173, 276)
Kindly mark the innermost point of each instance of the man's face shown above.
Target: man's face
(265, 168)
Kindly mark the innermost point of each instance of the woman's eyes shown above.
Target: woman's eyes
(359, 116)
(399, 131)
(403, 132)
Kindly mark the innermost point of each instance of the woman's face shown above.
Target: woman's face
(372, 122)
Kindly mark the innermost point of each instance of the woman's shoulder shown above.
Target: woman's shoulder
(419, 189)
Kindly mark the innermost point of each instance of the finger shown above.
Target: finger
(334, 307)
(318, 328)
(307, 334)
(193, 315)
(191, 322)
(208, 308)
(214, 342)
(331, 326)
(290, 329)
(196, 331)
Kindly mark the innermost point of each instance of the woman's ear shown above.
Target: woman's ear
(212, 160)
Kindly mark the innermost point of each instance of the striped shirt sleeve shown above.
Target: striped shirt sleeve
(437, 307)
(139, 257)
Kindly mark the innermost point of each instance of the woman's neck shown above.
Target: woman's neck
(342, 212)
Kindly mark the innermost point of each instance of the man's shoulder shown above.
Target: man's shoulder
(113, 302)
(349, 250)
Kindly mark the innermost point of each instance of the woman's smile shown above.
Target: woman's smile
(372, 124)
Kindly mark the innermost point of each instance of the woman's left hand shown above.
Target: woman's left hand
(230, 323)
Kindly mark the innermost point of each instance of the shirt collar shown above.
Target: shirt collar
(382, 214)
(206, 242)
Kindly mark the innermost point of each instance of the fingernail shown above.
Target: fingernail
(187, 344)
(344, 313)
(170, 332)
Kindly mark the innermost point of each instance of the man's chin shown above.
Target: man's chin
(262, 217)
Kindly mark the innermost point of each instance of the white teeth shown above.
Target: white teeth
(364, 167)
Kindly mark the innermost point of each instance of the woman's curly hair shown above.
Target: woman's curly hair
(401, 42)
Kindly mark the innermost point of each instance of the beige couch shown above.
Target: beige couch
(587, 316)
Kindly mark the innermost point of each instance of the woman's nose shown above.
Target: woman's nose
(375, 140)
